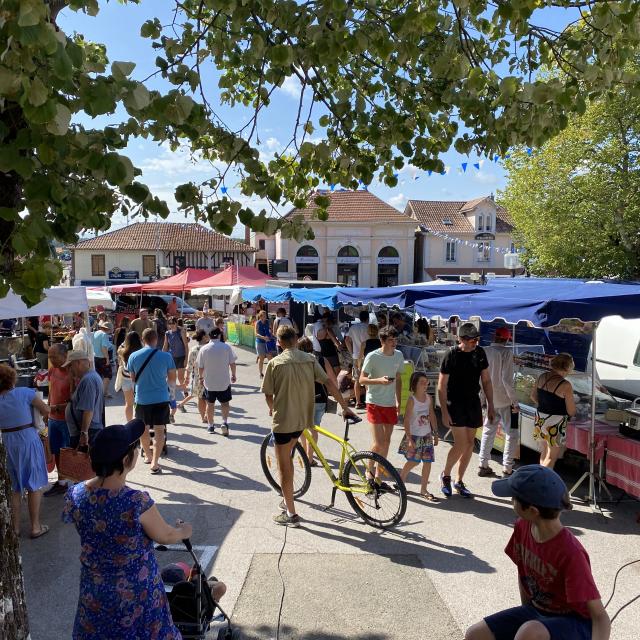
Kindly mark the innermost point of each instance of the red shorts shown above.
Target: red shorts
(381, 415)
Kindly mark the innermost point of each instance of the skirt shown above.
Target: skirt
(550, 428)
(424, 449)
(25, 459)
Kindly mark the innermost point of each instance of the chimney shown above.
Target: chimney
(247, 235)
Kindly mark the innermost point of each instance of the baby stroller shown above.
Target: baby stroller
(193, 607)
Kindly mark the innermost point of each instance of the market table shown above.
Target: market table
(578, 434)
(623, 463)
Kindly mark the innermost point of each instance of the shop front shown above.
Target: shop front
(307, 261)
(388, 267)
(348, 264)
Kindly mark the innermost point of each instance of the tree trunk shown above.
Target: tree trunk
(14, 624)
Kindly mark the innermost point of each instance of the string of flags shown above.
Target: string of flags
(469, 243)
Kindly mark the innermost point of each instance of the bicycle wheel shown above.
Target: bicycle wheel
(377, 505)
(301, 467)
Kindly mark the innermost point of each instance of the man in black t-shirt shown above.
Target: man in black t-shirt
(462, 369)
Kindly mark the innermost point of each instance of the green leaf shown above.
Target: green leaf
(122, 70)
(9, 82)
(60, 123)
(138, 99)
(38, 93)
(31, 13)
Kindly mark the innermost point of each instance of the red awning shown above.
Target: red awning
(234, 276)
(182, 281)
(134, 287)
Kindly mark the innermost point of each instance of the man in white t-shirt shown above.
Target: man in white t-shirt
(318, 326)
(355, 337)
(206, 323)
(215, 361)
(282, 320)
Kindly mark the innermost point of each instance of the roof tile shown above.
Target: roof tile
(434, 215)
(164, 236)
(353, 206)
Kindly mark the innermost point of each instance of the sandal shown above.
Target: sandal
(43, 529)
(429, 497)
(156, 471)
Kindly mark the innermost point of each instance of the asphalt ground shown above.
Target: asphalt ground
(431, 577)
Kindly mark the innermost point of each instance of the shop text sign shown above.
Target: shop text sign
(118, 274)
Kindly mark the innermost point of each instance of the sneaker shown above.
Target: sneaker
(287, 520)
(55, 490)
(445, 485)
(182, 408)
(211, 428)
(462, 490)
(507, 473)
(225, 429)
(486, 472)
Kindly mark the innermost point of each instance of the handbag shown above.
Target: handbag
(49, 459)
(119, 377)
(75, 465)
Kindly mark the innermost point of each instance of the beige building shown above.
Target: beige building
(458, 238)
(365, 242)
(146, 250)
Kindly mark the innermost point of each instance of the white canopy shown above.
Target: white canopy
(58, 300)
(97, 297)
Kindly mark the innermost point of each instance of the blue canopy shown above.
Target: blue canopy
(334, 297)
(543, 302)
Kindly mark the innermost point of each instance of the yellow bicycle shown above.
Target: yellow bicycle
(380, 502)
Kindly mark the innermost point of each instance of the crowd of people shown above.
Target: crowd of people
(156, 361)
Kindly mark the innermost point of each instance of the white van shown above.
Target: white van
(618, 356)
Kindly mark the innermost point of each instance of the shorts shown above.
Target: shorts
(466, 413)
(381, 415)
(127, 384)
(285, 438)
(173, 404)
(179, 361)
(221, 396)
(59, 437)
(355, 372)
(319, 409)
(334, 361)
(156, 414)
(103, 368)
(505, 624)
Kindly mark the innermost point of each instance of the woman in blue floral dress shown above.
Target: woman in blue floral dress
(122, 596)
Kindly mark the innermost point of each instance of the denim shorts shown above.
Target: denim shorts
(319, 409)
(59, 437)
(505, 624)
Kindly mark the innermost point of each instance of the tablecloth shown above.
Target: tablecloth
(623, 463)
(578, 437)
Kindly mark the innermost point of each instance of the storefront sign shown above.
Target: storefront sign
(307, 260)
(117, 274)
(485, 236)
(348, 260)
(389, 260)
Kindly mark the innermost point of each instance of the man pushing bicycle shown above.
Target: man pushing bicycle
(289, 389)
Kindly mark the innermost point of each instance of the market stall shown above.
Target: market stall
(548, 303)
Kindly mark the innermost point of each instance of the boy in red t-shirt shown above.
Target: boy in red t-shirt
(560, 600)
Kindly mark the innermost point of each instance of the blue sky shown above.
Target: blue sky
(118, 27)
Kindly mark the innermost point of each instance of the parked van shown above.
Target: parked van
(618, 356)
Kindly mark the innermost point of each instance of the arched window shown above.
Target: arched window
(307, 262)
(348, 252)
(388, 266)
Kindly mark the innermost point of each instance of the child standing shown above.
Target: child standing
(421, 433)
(559, 596)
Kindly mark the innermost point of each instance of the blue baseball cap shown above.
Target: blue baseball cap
(534, 484)
(112, 443)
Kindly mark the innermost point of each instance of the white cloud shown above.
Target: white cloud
(397, 201)
(485, 178)
(272, 144)
(180, 162)
(292, 87)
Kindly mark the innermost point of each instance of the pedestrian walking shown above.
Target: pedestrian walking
(131, 344)
(289, 389)
(192, 376)
(121, 592)
(41, 342)
(420, 433)
(265, 343)
(381, 376)
(25, 456)
(177, 344)
(59, 397)
(102, 350)
(355, 338)
(218, 333)
(205, 322)
(85, 413)
(172, 307)
(217, 371)
(160, 324)
(282, 320)
(330, 346)
(120, 333)
(505, 401)
(153, 372)
(142, 322)
(553, 396)
(461, 371)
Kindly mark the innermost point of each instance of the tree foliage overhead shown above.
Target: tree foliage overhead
(383, 83)
(576, 201)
